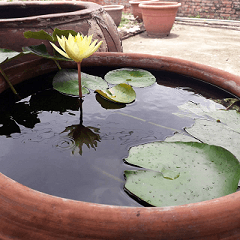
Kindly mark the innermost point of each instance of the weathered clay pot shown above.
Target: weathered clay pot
(158, 17)
(84, 17)
(29, 214)
(136, 11)
(115, 11)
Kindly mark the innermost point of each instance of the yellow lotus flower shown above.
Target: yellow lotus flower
(76, 48)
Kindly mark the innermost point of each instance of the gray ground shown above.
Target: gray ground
(214, 46)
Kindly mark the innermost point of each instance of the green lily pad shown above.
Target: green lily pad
(41, 51)
(121, 93)
(66, 81)
(214, 132)
(179, 173)
(133, 77)
(229, 117)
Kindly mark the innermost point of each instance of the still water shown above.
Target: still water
(44, 147)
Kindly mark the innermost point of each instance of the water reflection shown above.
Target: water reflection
(82, 135)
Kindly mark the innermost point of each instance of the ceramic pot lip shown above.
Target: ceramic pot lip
(87, 8)
(28, 209)
(113, 7)
(159, 5)
(137, 2)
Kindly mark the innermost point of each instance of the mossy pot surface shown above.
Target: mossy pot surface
(29, 214)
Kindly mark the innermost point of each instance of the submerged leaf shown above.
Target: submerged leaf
(180, 173)
(121, 93)
(133, 77)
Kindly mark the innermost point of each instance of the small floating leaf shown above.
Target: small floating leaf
(66, 81)
(121, 93)
(134, 77)
(181, 172)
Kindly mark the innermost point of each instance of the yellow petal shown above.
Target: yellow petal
(61, 42)
(59, 50)
(73, 52)
(91, 49)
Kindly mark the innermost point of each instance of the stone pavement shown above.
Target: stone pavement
(213, 43)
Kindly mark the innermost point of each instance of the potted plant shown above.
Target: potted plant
(158, 17)
(29, 214)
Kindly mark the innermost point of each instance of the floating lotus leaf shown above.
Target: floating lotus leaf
(181, 172)
(229, 117)
(133, 77)
(66, 81)
(214, 132)
(121, 93)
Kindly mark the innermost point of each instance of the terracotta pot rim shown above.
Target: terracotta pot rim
(159, 5)
(138, 2)
(137, 222)
(113, 7)
(86, 10)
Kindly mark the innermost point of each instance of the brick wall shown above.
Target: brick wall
(215, 9)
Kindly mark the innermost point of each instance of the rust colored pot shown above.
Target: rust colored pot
(158, 17)
(84, 17)
(28, 214)
(115, 11)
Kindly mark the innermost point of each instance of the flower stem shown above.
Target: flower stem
(79, 79)
(9, 83)
(57, 64)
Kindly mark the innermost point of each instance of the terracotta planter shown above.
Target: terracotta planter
(29, 214)
(136, 11)
(84, 17)
(158, 17)
(115, 11)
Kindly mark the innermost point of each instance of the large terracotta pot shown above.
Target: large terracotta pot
(28, 214)
(158, 17)
(115, 11)
(84, 17)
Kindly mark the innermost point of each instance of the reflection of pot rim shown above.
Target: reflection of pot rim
(113, 7)
(26, 212)
(159, 5)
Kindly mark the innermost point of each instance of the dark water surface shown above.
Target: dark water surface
(39, 151)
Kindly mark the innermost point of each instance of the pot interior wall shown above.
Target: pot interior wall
(21, 11)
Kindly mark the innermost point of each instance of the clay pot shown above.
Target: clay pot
(158, 17)
(84, 17)
(115, 11)
(28, 214)
(136, 11)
